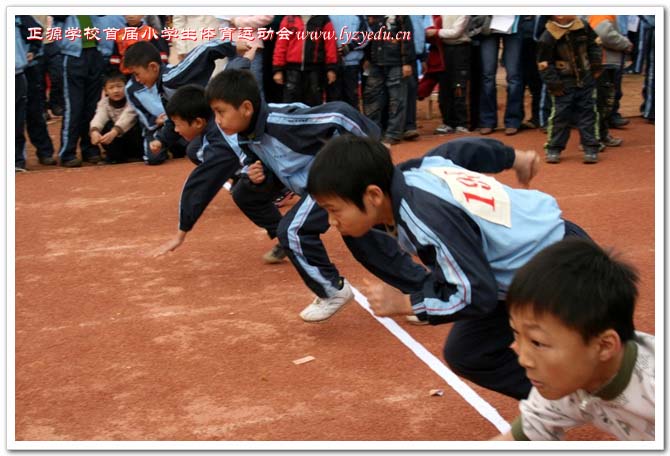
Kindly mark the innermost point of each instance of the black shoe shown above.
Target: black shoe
(93, 159)
(74, 163)
(552, 157)
(274, 256)
(57, 111)
(611, 141)
(590, 157)
(48, 161)
(618, 122)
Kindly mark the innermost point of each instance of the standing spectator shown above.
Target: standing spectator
(613, 44)
(529, 75)
(83, 64)
(648, 107)
(20, 98)
(419, 25)
(567, 54)
(390, 64)
(246, 29)
(136, 30)
(345, 87)
(488, 102)
(195, 23)
(274, 93)
(300, 61)
(35, 120)
(450, 50)
(52, 73)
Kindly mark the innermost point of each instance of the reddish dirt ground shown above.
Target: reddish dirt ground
(198, 345)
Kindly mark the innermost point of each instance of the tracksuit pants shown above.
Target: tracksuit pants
(35, 122)
(578, 105)
(20, 103)
(82, 86)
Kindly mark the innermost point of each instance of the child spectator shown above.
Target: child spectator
(153, 84)
(284, 139)
(471, 232)
(300, 61)
(449, 57)
(389, 65)
(134, 31)
(350, 52)
(614, 44)
(568, 58)
(571, 311)
(419, 24)
(114, 126)
(530, 77)
(648, 108)
(217, 157)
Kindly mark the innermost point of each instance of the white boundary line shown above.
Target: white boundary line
(471, 397)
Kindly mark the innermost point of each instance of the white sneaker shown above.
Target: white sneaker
(323, 308)
(443, 129)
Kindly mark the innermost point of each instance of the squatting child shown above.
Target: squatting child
(471, 233)
(114, 126)
(571, 311)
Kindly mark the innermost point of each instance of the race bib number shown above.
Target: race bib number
(481, 195)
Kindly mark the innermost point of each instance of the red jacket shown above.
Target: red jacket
(124, 40)
(302, 51)
(435, 61)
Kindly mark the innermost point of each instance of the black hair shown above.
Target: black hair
(141, 54)
(585, 287)
(114, 75)
(346, 165)
(234, 87)
(188, 102)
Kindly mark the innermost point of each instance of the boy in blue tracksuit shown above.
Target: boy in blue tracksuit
(153, 84)
(280, 142)
(350, 50)
(217, 157)
(20, 98)
(470, 231)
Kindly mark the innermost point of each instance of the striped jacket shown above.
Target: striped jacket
(471, 231)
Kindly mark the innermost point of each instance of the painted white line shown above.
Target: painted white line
(471, 397)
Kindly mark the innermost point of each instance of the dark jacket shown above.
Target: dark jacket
(385, 49)
(568, 57)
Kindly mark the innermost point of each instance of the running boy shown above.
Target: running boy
(568, 59)
(470, 231)
(586, 366)
(284, 139)
(154, 83)
(218, 158)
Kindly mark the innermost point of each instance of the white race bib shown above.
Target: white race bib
(481, 195)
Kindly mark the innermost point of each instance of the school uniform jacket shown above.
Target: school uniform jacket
(219, 159)
(286, 137)
(471, 231)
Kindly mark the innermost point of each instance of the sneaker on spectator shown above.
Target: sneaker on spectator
(74, 163)
(485, 131)
(552, 157)
(601, 147)
(443, 129)
(20, 169)
(590, 157)
(611, 141)
(528, 125)
(276, 255)
(509, 131)
(323, 308)
(48, 161)
(410, 135)
(461, 130)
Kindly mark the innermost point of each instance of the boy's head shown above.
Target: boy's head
(144, 60)
(133, 21)
(114, 84)
(571, 308)
(563, 20)
(234, 97)
(351, 179)
(189, 111)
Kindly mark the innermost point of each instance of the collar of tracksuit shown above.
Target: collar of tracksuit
(255, 132)
(557, 31)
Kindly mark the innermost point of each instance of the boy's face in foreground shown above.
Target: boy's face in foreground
(147, 76)
(348, 218)
(557, 360)
(114, 90)
(232, 120)
(189, 130)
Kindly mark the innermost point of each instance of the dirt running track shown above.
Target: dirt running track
(198, 345)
